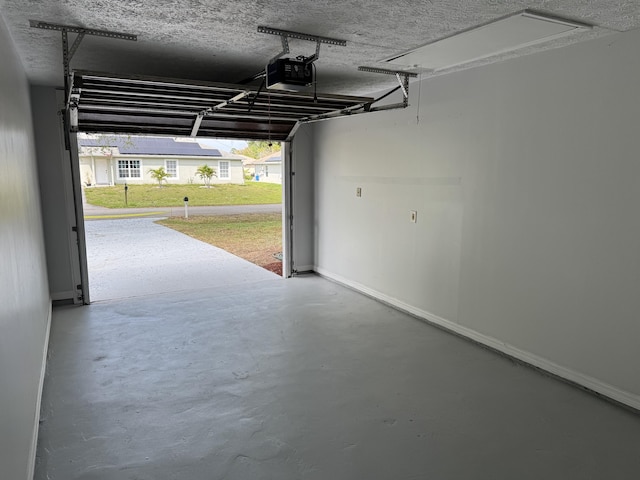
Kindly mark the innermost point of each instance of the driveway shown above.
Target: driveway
(134, 256)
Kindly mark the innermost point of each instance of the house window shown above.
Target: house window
(223, 170)
(128, 168)
(172, 168)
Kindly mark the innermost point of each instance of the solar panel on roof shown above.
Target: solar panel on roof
(153, 146)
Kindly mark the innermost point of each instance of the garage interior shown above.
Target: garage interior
(498, 209)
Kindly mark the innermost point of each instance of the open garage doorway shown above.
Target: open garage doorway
(140, 105)
(164, 214)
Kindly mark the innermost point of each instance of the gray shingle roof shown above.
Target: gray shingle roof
(272, 157)
(152, 146)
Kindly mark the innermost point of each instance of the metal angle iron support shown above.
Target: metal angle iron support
(219, 106)
(196, 124)
(403, 80)
(285, 50)
(314, 57)
(69, 52)
(86, 31)
(75, 45)
(286, 34)
(302, 36)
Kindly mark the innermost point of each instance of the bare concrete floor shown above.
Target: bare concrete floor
(304, 379)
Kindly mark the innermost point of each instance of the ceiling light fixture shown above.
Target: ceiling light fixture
(506, 34)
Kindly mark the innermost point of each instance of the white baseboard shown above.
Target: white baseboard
(36, 424)
(590, 383)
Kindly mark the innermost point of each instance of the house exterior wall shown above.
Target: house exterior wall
(186, 169)
(25, 304)
(56, 192)
(268, 172)
(524, 175)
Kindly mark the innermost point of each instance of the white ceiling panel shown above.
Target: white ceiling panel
(505, 35)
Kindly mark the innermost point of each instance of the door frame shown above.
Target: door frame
(288, 184)
(82, 267)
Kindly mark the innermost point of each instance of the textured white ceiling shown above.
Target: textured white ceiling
(218, 40)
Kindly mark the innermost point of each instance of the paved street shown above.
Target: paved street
(91, 212)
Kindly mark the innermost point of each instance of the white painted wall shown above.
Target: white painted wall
(303, 199)
(56, 193)
(268, 172)
(24, 293)
(526, 179)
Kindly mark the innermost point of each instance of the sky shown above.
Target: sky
(223, 144)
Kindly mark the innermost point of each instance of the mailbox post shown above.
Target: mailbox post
(126, 195)
(186, 207)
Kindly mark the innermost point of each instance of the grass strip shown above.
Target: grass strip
(256, 237)
(251, 193)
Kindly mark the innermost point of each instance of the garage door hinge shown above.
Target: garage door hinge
(74, 229)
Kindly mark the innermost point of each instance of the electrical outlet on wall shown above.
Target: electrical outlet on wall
(358, 192)
(413, 216)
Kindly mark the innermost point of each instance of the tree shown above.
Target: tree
(258, 149)
(159, 174)
(106, 143)
(206, 173)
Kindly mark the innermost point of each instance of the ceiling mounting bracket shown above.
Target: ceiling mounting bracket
(71, 98)
(285, 49)
(286, 35)
(69, 52)
(403, 80)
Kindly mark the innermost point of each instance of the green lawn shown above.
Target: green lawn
(254, 236)
(251, 193)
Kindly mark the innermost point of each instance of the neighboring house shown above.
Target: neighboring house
(247, 164)
(268, 169)
(118, 160)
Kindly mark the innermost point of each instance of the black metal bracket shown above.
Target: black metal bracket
(287, 34)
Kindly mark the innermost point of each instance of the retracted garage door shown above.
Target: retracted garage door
(101, 102)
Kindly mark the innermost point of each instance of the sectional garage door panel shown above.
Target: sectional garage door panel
(159, 106)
